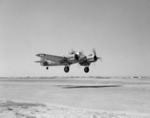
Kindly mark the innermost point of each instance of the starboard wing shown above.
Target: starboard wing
(52, 57)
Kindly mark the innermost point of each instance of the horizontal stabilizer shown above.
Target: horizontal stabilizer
(39, 61)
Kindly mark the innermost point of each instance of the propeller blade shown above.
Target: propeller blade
(82, 52)
(100, 58)
(95, 56)
(94, 52)
(72, 51)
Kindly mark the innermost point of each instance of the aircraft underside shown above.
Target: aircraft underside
(67, 68)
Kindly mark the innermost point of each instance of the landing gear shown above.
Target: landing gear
(86, 69)
(66, 69)
(46, 68)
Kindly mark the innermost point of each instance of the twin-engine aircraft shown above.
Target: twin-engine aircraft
(73, 57)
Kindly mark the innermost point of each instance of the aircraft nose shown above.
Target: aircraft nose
(83, 57)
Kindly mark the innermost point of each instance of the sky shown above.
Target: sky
(119, 30)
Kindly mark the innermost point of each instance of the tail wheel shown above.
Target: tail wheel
(86, 69)
(66, 69)
(47, 68)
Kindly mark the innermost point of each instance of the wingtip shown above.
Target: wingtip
(40, 55)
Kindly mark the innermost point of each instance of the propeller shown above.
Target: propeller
(95, 56)
(72, 52)
(76, 54)
(81, 52)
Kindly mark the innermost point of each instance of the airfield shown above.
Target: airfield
(75, 97)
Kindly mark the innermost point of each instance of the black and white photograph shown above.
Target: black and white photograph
(74, 58)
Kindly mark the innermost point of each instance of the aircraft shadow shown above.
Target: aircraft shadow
(73, 86)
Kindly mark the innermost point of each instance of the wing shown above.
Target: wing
(51, 57)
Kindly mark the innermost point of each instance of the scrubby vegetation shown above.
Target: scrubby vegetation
(24, 105)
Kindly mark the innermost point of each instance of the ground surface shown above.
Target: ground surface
(75, 97)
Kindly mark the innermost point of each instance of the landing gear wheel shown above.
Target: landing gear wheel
(47, 68)
(86, 69)
(66, 69)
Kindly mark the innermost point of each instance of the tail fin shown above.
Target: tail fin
(41, 60)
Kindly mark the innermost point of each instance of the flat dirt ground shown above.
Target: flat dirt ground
(75, 97)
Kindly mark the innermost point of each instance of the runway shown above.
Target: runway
(127, 95)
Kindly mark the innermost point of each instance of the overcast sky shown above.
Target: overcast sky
(119, 30)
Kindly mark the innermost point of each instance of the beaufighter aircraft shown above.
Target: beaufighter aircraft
(90, 59)
(53, 60)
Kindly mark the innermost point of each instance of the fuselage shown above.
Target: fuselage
(67, 60)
